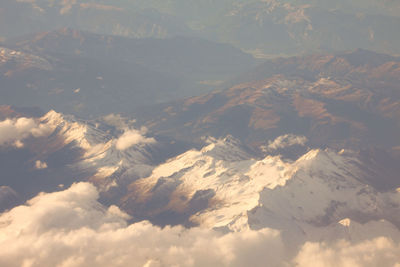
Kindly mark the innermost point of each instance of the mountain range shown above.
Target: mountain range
(322, 195)
(263, 28)
(343, 100)
(199, 133)
(86, 74)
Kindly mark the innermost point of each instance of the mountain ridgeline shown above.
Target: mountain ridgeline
(89, 74)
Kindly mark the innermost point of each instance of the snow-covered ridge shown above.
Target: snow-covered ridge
(324, 198)
(219, 167)
(321, 191)
(325, 187)
(100, 154)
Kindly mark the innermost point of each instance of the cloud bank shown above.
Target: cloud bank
(380, 251)
(13, 131)
(70, 228)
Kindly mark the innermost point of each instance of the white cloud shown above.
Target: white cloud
(70, 228)
(287, 140)
(13, 131)
(132, 137)
(380, 251)
(40, 165)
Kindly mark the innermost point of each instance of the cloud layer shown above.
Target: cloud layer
(380, 251)
(71, 228)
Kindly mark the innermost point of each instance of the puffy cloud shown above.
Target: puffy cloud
(70, 228)
(13, 131)
(287, 140)
(380, 251)
(40, 165)
(132, 137)
(117, 121)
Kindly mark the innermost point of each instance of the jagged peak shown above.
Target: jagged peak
(228, 148)
(52, 115)
(324, 155)
(326, 162)
(311, 155)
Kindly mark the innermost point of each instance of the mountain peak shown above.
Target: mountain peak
(228, 148)
(52, 117)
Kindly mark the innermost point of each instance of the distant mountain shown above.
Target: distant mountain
(356, 65)
(343, 100)
(84, 73)
(179, 54)
(291, 27)
(264, 28)
(103, 17)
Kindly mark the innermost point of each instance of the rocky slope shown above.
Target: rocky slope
(346, 100)
(86, 74)
(324, 195)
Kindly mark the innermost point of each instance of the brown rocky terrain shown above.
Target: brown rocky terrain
(344, 100)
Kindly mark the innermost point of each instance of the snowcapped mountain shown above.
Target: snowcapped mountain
(152, 133)
(304, 162)
(224, 185)
(98, 147)
(59, 149)
(322, 198)
(234, 191)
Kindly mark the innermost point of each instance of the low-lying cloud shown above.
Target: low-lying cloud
(380, 251)
(14, 131)
(287, 140)
(71, 228)
(132, 137)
